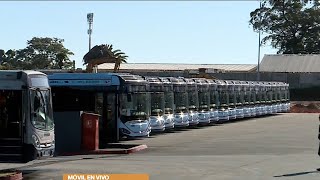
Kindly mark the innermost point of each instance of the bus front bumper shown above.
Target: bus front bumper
(45, 152)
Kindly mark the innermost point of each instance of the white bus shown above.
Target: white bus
(214, 100)
(181, 111)
(157, 101)
(204, 100)
(26, 123)
(223, 108)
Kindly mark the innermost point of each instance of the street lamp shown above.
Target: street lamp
(90, 22)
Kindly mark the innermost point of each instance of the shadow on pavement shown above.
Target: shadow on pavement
(298, 174)
(41, 174)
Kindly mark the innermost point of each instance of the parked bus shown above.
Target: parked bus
(157, 100)
(223, 110)
(252, 102)
(169, 108)
(232, 100)
(269, 97)
(239, 99)
(214, 100)
(247, 98)
(204, 100)
(277, 95)
(262, 98)
(26, 123)
(287, 97)
(193, 101)
(122, 101)
(181, 116)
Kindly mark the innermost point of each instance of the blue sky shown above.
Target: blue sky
(208, 32)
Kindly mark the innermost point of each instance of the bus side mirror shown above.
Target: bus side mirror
(129, 98)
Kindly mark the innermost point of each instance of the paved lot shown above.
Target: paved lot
(277, 147)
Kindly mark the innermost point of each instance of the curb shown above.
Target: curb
(16, 176)
(108, 151)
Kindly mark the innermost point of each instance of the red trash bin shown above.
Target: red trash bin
(90, 131)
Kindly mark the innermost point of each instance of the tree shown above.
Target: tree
(104, 53)
(120, 57)
(292, 26)
(8, 59)
(40, 53)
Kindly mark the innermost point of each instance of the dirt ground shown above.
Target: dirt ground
(305, 107)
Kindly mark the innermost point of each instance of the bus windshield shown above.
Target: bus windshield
(239, 97)
(204, 98)
(224, 97)
(157, 104)
(253, 97)
(213, 99)
(41, 116)
(134, 106)
(181, 102)
(232, 98)
(247, 97)
(259, 98)
(193, 100)
(168, 102)
(269, 95)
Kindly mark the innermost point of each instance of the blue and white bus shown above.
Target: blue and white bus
(203, 88)
(181, 111)
(169, 109)
(223, 110)
(283, 96)
(26, 123)
(262, 96)
(193, 101)
(122, 101)
(232, 99)
(157, 100)
(239, 95)
(214, 100)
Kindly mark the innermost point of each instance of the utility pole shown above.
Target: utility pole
(259, 46)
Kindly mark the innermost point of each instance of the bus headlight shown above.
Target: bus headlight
(36, 141)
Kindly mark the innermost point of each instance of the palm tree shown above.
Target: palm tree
(120, 57)
(104, 53)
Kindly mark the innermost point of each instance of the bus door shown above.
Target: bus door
(10, 114)
(108, 126)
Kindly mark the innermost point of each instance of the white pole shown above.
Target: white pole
(258, 74)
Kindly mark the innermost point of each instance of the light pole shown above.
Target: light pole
(258, 68)
(90, 22)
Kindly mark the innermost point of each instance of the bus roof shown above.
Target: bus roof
(17, 79)
(93, 79)
(27, 72)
